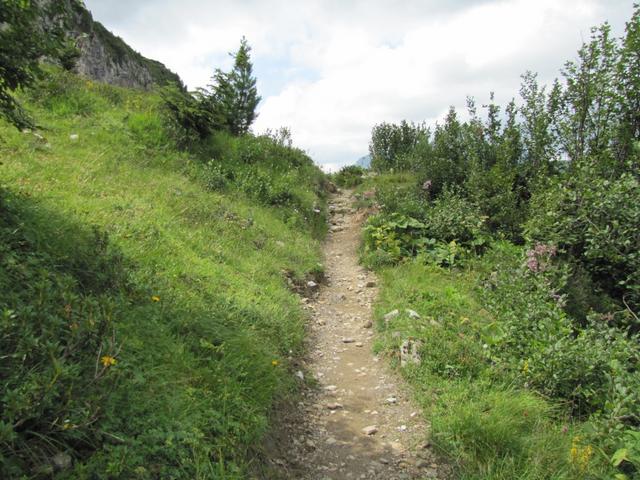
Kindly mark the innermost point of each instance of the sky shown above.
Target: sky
(329, 70)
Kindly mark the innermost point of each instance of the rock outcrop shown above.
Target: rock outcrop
(104, 56)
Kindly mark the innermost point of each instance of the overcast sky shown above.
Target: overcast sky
(330, 70)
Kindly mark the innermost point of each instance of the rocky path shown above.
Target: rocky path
(358, 423)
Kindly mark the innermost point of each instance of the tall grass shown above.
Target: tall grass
(481, 422)
(202, 325)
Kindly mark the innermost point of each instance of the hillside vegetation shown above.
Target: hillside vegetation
(147, 306)
(514, 236)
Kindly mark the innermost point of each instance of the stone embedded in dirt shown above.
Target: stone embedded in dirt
(412, 314)
(409, 352)
(61, 461)
(312, 285)
(370, 284)
(370, 430)
(348, 340)
(368, 324)
(359, 344)
(384, 461)
(334, 406)
(300, 375)
(330, 388)
(431, 473)
(391, 400)
(402, 428)
(391, 315)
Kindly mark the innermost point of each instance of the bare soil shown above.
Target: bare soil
(358, 421)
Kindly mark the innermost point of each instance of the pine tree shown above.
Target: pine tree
(234, 96)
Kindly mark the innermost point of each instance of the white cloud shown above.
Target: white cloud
(333, 69)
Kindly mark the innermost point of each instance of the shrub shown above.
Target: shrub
(591, 367)
(594, 221)
(451, 217)
(403, 199)
(349, 176)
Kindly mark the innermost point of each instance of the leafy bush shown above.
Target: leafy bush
(452, 217)
(396, 235)
(403, 199)
(186, 115)
(591, 367)
(593, 221)
(349, 176)
(449, 227)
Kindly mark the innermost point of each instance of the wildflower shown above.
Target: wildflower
(275, 363)
(155, 298)
(538, 258)
(108, 361)
(525, 367)
(580, 455)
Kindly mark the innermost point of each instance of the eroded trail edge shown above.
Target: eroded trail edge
(359, 422)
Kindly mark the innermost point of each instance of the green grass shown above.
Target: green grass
(482, 424)
(204, 325)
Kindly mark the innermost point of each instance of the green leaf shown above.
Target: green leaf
(622, 455)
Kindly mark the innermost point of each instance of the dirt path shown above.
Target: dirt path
(358, 423)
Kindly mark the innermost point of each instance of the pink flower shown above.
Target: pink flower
(539, 257)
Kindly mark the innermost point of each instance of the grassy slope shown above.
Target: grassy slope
(481, 424)
(199, 369)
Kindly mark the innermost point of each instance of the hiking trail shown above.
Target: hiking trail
(359, 422)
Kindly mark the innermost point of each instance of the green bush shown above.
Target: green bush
(594, 221)
(591, 367)
(451, 217)
(449, 228)
(349, 176)
(404, 199)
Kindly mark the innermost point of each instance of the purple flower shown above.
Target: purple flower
(539, 257)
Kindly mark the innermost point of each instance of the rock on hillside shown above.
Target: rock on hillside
(105, 57)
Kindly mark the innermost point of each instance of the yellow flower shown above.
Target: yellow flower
(275, 363)
(108, 361)
(525, 367)
(155, 298)
(580, 455)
